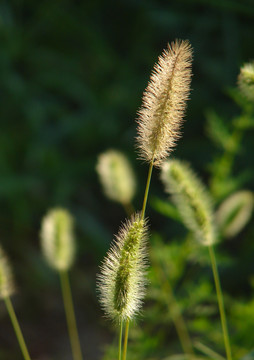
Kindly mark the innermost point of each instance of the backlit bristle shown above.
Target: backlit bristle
(192, 200)
(164, 103)
(122, 280)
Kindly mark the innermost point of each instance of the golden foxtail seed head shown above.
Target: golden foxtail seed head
(57, 239)
(246, 80)
(164, 103)
(122, 280)
(6, 277)
(191, 198)
(116, 176)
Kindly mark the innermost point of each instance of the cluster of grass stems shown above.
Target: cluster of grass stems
(122, 280)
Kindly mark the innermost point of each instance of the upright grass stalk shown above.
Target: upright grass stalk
(6, 290)
(16, 327)
(59, 250)
(70, 315)
(159, 123)
(195, 206)
(220, 302)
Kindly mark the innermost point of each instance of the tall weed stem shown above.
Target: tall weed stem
(126, 339)
(220, 302)
(16, 327)
(70, 315)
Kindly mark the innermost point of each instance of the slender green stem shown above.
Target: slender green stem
(70, 315)
(120, 340)
(221, 303)
(126, 339)
(147, 189)
(17, 329)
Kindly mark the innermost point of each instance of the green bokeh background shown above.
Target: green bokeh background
(72, 74)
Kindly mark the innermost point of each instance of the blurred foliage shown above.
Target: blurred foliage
(72, 77)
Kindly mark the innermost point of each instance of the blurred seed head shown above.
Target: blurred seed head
(116, 176)
(122, 280)
(191, 198)
(6, 277)
(246, 80)
(235, 212)
(164, 103)
(57, 239)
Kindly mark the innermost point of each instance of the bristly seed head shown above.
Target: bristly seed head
(246, 80)
(116, 176)
(164, 103)
(6, 277)
(57, 239)
(122, 280)
(192, 200)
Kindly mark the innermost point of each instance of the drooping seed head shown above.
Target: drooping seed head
(116, 176)
(246, 80)
(235, 212)
(191, 198)
(122, 280)
(57, 239)
(164, 103)
(6, 277)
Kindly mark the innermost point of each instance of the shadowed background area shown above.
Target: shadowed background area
(72, 74)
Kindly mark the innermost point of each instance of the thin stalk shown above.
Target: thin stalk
(120, 341)
(126, 339)
(147, 189)
(221, 303)
(70, 315)
(17, 329)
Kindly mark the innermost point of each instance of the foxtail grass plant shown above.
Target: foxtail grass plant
(58, 246)
(160, 117)
(6, 290)
(195, 206)
(246, 80)
(117, 178)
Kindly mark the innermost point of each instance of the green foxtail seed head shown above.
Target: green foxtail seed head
(6, 277)
(246, 80)
(122, 280)
(235, 212)
(116, 176)
(57, 239)
(164, 103)
(191, 198)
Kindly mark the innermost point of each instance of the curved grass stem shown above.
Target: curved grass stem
(220, 303)
(17, 329)
(147, 189)
(70, 315)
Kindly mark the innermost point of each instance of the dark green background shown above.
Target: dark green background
(72, 75)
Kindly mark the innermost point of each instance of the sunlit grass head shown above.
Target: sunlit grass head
(164, 103)
(122, 280)
(116, 176)
(246, 80)
(191, 198)
(6, 276)
(57, 239)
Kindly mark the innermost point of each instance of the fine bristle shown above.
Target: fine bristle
(122, 280)
(6, 277)
(192, 200)
(57, 239)
(164, 103)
